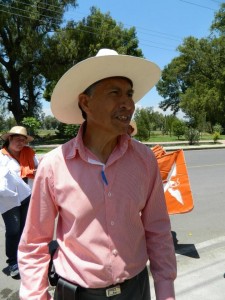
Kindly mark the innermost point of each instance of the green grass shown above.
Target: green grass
(164, 138)
(158, 137)
(44, 132)
(43, 150)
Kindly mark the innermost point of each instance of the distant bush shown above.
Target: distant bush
(216, 136)
(179, 128)
(217, 128)
(192, 135)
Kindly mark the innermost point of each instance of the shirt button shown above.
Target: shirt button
(115, 252)
(112, 223)
(117, 280)
(109, 194)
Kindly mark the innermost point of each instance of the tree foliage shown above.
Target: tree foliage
(147, 120)
(179, 128)
(195, 80)
(192, 135)
(25, 28)
(35, 49)
(31, 124)
(83, 39)
(67, 131)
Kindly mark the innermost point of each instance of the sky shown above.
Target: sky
(161, 26)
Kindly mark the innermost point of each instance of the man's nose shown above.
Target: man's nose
(127, 102)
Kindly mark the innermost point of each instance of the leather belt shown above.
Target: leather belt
(112, 290)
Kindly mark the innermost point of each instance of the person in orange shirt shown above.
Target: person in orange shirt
(18, 165)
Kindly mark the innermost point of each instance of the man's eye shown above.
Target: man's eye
(114, 92)
(130, 94)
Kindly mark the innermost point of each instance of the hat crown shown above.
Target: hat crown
(18, 130)
(105, 52)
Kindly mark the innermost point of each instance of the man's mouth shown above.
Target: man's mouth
(124, 118)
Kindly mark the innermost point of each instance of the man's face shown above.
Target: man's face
(110, 106)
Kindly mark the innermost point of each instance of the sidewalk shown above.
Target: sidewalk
(200, 272)
(172, 146)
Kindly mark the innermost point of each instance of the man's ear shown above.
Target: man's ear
(83, 102)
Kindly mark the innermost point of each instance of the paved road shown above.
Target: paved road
(202, 231)
(206, 169)
(200, 234)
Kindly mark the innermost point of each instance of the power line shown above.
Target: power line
(165, 35)
(195, 4)
(89, 29)
(142, 29)
(39, 5)
(23, 10)
(91, 32)
(216, 1)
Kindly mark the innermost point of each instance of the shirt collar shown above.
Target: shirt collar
(77, 146)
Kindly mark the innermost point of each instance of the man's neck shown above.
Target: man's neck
(100, 145)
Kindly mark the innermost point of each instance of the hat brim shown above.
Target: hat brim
(64, 101)
(5, 136)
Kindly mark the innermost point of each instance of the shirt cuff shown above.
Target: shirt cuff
(164, 290)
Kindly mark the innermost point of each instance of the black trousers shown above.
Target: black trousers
(14, 220)
(136, 288)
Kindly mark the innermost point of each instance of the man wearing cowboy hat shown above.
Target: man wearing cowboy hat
(106, 190)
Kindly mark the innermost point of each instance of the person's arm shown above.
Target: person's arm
(159, 238)
(33, 253)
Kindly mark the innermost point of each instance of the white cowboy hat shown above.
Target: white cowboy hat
(17, 130)
(107, 63)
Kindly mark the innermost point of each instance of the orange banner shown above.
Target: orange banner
(175, 178)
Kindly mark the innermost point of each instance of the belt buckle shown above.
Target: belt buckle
(113, 291)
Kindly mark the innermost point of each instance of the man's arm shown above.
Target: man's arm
(33, 253)
(159, 238)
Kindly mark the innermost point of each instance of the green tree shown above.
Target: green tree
(216, 136)
(50, 122)
(144, 118)
(168, 124)
(67, 131)
(218, 24)
(195, 80)
(158, 120)
(32, 125)
(217, 128)
(79, 40)
(9, 123)
(25, 28)
(2, 123)
(179, 128)
(192, 135)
